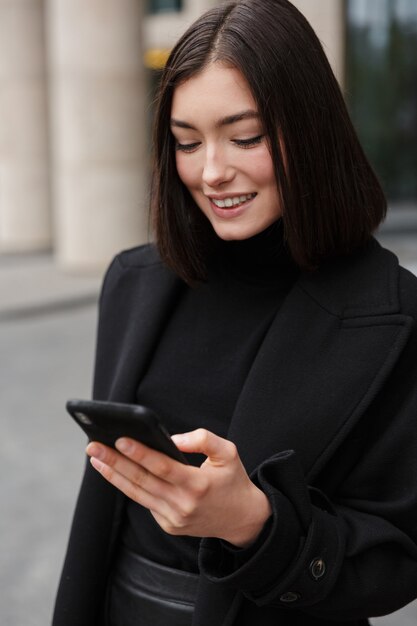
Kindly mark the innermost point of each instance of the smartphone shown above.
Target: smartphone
(107, 421)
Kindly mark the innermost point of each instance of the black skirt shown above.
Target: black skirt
(144, 593)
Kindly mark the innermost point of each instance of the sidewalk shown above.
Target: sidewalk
(32, 284)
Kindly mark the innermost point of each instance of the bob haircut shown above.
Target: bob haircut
(331, 198)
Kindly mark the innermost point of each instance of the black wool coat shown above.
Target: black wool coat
(326, 424)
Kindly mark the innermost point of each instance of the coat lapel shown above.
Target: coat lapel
(142, 299)
(330, 348)
(313, 378)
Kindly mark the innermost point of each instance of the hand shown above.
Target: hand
(217, 499)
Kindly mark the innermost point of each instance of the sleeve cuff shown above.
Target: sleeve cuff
(241, 555)
(250, 569)
(278, 542)
(296, 559)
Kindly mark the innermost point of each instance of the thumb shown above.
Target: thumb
(205, 442)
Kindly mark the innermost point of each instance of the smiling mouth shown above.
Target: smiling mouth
(233, 201)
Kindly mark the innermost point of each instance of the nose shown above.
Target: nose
(216, 169)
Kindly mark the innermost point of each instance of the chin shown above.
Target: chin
(235, 232)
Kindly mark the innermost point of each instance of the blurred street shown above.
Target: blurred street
(47, 334)
(47, 327)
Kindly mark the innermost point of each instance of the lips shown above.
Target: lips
(230, 207)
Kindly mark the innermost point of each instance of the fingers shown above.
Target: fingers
(171, 505)
(157, 463)
(142, 465)
(219, 450)
(103, 455)
(131, 489)
(135, 481)
(170, 520)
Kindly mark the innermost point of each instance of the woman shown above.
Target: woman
(270, 328)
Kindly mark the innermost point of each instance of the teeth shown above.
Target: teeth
(233, 201)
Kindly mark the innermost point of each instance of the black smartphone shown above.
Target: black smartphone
(107, 421)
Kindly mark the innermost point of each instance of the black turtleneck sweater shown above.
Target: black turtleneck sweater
(202, 360)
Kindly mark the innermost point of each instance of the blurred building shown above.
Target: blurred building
(77, 81)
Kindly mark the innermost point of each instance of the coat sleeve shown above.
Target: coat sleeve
(342, 551)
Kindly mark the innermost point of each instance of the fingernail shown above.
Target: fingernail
(124, 445)
(98, 465)
(95, 450)
(179, 439)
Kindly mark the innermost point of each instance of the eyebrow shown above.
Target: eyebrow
(224, 121)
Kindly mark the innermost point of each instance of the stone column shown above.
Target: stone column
(98, 106)
(24, 184)
(327, 17)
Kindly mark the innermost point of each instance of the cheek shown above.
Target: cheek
(186, 171)
(264, 171)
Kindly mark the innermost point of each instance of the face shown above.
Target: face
(222, 155)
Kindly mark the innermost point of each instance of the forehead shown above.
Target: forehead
(216, 91)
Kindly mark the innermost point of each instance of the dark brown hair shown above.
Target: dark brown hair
(331, 198)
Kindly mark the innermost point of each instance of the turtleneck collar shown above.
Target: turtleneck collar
(262, 260)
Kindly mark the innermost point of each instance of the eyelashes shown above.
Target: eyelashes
(242, 143)
(248, 143)
(186, 147)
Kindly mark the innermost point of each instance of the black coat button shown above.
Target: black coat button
(317, 568)
(290, 596)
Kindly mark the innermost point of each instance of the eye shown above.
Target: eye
(187, 147)
(248, 143)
